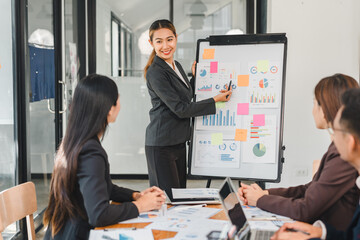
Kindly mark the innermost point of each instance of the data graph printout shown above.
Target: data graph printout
(243, 139)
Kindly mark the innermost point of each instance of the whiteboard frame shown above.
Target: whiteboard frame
(218, 40)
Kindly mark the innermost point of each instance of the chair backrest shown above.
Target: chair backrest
(16, 203)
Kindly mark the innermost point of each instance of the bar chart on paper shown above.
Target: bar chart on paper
(224, 118)
(262, 98)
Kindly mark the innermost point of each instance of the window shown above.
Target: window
(121, 48)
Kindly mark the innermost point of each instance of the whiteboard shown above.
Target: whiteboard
(243, 139)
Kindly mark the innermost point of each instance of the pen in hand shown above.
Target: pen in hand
(229, 88)
(297, 230)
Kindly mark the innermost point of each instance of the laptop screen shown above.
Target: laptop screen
(232, 205)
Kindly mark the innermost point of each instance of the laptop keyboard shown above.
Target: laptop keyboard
(263, 235)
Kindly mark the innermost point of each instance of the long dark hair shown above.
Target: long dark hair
(158, 24)
(328, 93)
(93, 98)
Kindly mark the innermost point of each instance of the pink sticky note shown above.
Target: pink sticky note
(259, 120)
(243, 109)
(213, 67)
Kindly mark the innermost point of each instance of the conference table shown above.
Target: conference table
(159, 234)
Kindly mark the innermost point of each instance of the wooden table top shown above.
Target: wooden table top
(159, 234)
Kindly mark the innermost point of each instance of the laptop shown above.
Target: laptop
(233, 208)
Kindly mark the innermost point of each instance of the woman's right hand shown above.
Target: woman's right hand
(150, 200)
(224, 96)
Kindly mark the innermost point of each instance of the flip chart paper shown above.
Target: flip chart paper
(263, 65)
(241, 135)
(213, 67)
(259, 120)
(243, 81)
(216, 138)
(243, 109)
(220, 104)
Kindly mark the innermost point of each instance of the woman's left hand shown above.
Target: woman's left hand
(252, 194)
(193, 68)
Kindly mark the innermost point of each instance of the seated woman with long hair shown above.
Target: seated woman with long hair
(81, 188)
(332, 195)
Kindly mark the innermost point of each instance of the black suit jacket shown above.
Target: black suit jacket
(172, 105)
(353, 231)
(93, 192)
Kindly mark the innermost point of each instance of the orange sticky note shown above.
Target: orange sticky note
(241, 135)
(209, 53)
(243, 81)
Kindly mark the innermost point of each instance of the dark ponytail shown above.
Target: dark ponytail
(158, 24)
(150, 61)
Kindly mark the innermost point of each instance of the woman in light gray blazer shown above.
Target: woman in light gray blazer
(171, 96)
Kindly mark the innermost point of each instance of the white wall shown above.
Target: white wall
(323, 39)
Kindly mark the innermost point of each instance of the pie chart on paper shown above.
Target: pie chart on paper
(259, 149)
(202, 72)
(264, 83)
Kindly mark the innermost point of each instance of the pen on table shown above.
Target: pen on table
(297, 230)
(193, 206)
(111, 229)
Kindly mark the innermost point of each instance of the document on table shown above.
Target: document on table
(150, 216)
(195, 193)
(181, 225)
(194, 212)
(144, 234)
(255, 213)
(179, 211)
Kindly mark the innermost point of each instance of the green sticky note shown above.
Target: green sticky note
(216, 138)
(220, 104)
(262, 65)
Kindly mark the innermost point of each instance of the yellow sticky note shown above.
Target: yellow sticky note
(262, 65)
(241, 135)
(209, 53)
(243, 81)
(220, 104)
(216, 138)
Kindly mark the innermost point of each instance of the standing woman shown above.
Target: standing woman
(81, 187)
(172, 107)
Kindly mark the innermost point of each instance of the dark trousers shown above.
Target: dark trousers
(167, 166)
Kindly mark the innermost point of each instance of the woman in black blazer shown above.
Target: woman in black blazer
(171, 96)
(81, 187)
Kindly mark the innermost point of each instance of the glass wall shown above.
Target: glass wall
(41, 96)
(8, 166)
(196, 19)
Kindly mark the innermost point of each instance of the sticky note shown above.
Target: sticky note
(220, 104)
(213, 67)
(259, 119)
(241, 135)
(216, 138)
(209, 53)
(243, 81)
(262, 65)
(243, 109)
